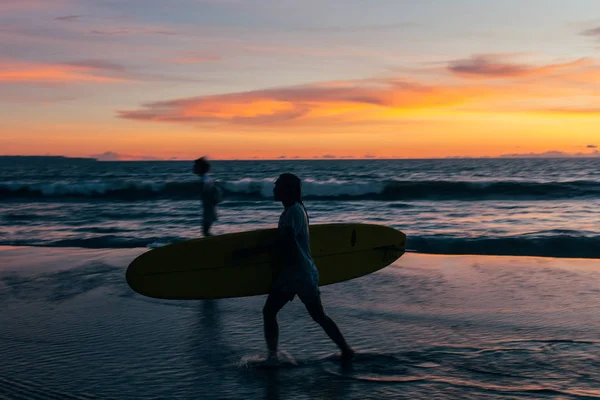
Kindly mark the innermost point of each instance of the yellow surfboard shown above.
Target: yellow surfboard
(221, 266)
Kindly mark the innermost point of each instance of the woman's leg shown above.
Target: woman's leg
(206, 227)
(275, 302)
(318, 314)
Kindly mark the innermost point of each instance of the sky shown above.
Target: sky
(239, 79)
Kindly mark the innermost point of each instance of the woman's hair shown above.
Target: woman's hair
(293, 185)
(201, 166)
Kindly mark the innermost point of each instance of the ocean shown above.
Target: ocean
(497, 299)
(528, 207)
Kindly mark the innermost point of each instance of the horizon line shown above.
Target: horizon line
(508, 156)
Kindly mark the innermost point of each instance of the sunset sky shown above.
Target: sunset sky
(240, 79)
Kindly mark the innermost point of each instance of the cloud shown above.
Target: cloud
(591, 146)
(133, 31)
(112, 156)
(552, 154)
(98, 64)
(494, 66)
(573, 110)
(316, 102)
(193, 58)
(69, 18)
(84, 71)
(332, 157)
(29, 5)
(107, 156)
(594, 33)
(355, 29)
(389, 99)
(90, 71)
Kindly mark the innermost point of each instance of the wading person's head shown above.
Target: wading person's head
(201, 166)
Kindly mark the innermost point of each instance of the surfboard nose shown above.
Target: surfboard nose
(131, 272)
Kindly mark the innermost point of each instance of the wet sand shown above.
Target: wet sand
(427, 326)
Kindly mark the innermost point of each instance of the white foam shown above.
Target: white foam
(310, 187)
(84, 188)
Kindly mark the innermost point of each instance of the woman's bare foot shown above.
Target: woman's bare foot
(347, 355)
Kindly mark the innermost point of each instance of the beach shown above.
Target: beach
(462, 134)
(428, 326)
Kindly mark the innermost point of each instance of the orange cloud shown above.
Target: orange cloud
(358, 100)
(85, 71)
(574, 111)
(555, 88)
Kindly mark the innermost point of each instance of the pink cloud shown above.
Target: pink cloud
(495, 67)
(69, 18)
(84, 71)
(195, 59)
(91, 71)
(28, 5)
(594, 33)
(130, 31)
(98, 64)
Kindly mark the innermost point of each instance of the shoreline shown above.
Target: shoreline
(38, 258)
(456, 327)
(122, 252)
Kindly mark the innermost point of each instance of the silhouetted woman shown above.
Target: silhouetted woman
(298, 274)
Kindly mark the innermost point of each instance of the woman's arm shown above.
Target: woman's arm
(284, 245)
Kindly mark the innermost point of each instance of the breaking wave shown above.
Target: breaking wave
(543, 244)
(261, 189)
